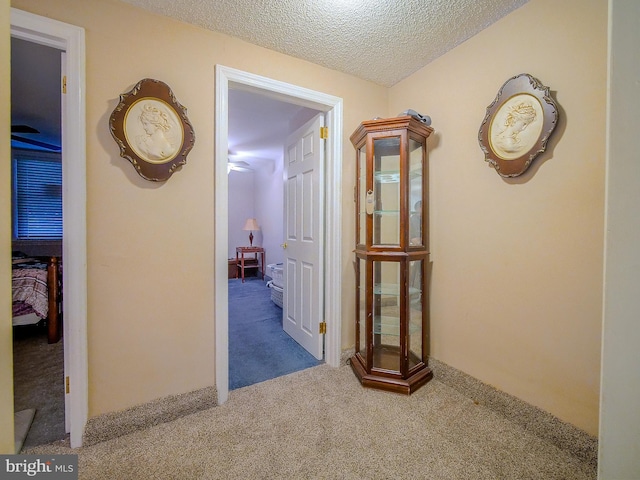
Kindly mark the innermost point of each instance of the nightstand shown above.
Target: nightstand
(245, 260)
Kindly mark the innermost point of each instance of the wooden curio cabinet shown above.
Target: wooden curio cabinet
(392, 254)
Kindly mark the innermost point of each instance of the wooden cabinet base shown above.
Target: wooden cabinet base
(391, 383)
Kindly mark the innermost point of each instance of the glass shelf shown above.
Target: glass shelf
(387, 212)
(386, 289)
(394, 176)
(390, 325)
(415, 172)
(391, 289)
(387, 177)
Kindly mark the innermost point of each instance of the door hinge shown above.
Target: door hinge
(324, 133)
(323, 328)
(66, 385)
(64, 84)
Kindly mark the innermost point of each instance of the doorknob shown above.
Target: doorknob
(284, 245)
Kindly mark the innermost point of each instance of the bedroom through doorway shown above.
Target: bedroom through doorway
(259, 348)
(37, 231)
(70, 40)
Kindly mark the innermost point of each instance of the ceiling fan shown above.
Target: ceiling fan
(26, 129)
(239, 166)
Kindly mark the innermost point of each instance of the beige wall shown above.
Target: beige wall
(150, 245)
(6, 356)
(517, 264)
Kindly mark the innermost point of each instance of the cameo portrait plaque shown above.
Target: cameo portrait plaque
(152, 130)
(517, 125)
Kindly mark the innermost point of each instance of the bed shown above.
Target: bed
(37, 293)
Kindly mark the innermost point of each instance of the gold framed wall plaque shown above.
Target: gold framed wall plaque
(152, 130)
(517, 125)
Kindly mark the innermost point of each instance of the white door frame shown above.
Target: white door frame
(71, 39)
(331, 303)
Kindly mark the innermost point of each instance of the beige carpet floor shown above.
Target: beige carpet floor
(320, 423)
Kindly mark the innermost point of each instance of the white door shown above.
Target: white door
(303, 269)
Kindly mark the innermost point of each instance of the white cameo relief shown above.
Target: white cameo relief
(516, 126)
(153, 130)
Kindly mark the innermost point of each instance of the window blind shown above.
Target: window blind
(37, 196)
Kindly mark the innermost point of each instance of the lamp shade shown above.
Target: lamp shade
(251, 224)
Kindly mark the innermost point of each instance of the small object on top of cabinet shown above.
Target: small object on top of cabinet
(392, 254)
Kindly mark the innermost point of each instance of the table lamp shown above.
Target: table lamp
(251, 224)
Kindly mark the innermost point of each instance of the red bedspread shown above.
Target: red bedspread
(29, 285)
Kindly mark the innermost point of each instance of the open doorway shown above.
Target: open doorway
(69, 39)
(37, 221)
(259, 347)
(332, 192)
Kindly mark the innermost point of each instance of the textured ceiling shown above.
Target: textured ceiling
(383, 41)
(271, 122)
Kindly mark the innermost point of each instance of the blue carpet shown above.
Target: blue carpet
(259, 349)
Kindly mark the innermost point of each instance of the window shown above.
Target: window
(37, 195)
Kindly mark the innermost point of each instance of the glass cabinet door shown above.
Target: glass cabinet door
(416, 316)
(361, 325)
(386, 191)
(386, 315)
(362, 196)
(416, 218)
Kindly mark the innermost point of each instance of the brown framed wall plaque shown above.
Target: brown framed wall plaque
(517, 125)
(152, 130)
